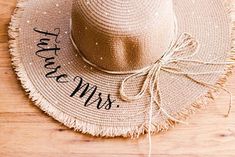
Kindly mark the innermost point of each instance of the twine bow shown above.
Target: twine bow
(180, 51)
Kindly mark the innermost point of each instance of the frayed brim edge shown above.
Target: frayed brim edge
(104, 131)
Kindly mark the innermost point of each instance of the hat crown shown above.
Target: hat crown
(120, 17)
(122, 35)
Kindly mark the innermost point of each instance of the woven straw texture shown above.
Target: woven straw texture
(127, 35)
(208, 21)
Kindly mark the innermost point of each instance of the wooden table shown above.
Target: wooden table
(25, 131)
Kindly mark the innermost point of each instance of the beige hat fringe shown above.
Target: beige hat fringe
(95, 130)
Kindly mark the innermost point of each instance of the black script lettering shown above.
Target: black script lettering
(56, 34)
(85, 91)
(109, 102)
(92, 91)
(45, 51)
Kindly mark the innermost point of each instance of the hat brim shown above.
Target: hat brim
(50, 69)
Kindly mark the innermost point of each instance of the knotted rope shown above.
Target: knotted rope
(180, 51)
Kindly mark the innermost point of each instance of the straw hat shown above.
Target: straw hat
(121, 68)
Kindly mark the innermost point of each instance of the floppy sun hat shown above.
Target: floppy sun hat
(121, 68)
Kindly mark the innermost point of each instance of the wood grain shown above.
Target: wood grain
(25, 131)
